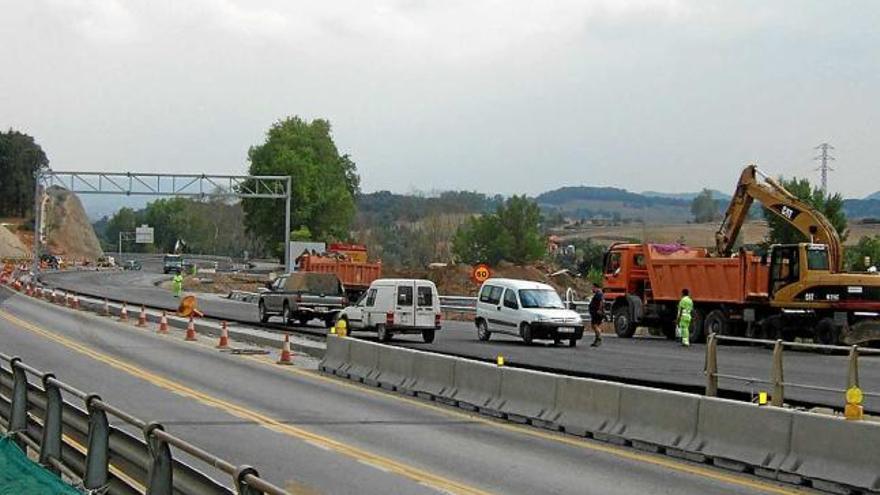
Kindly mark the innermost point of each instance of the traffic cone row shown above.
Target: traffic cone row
(224, 336)
(75, 303)
(123, 313)
(286, 356)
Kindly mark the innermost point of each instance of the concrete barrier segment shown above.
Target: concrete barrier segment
(739, 435)
(336, 356)
(478, 387)
(395, 368)
(434, 376)
(654, 419)
(585, 407)
(833, 453)
(528, 396)
(363, 360)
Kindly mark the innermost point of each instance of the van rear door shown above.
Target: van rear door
(425, 299)
(404, 314)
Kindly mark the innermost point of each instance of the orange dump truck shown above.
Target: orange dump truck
(643, 284)
(355, 276)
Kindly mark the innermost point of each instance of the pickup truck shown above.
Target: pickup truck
(303, 296)
(172, 263)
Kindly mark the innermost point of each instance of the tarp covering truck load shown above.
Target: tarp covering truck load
(795, 290)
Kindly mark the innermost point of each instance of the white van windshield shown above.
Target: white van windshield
(540, 298)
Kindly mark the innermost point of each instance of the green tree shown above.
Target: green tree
(20, 158)
(520, 218)
(482, 240)
(512, 233)
(781, 232)
(323, 186)
(124, 220)
(868, 246)
(704, 208)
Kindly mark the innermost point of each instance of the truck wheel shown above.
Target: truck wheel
(525, 331)
(624, 327)
(264, 317)
(826, 332)
(384, 333)
(483, 332)
(717, 323)
(572, 342)
(428, 336)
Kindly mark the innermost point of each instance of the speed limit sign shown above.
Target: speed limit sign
(481, 273)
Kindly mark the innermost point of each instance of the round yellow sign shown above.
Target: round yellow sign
(481, 273)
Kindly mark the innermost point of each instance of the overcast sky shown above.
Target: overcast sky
(503, 96)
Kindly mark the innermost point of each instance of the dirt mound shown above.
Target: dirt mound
(68, 230)
(10, 245)
(456, 279)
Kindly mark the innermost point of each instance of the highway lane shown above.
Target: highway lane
(317, 434)
(646, 360)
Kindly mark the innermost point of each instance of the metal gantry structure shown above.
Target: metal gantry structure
(156, 184)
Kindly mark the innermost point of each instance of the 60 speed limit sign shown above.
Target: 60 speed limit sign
(481, 273)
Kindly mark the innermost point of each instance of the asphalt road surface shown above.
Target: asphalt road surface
(643, 360)
(317, 434)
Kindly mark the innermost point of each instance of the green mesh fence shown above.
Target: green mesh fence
(19, 475)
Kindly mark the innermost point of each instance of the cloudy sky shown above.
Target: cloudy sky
(509, 96)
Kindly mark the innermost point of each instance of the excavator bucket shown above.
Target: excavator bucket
(862, 332)
(189, 307)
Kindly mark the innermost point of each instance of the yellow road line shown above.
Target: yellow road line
(416, 474)
(647, 458)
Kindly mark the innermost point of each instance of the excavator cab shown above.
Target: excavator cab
(794, 263)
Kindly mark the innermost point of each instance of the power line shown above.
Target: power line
(824, 168)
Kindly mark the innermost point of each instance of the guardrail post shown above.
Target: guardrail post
(97, 455)
(159, 475)
(777, 379)
(852, 379)
(712, 366)
(19, 406)
(241, 486)
(50, 446)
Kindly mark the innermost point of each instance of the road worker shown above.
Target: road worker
(683, 321)
(177, 284)
(597, 314)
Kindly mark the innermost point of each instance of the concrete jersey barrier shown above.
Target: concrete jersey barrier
(833, 454)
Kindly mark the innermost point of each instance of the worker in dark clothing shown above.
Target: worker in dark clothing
(597, 314)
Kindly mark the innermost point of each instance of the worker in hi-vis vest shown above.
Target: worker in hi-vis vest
(177, 284)
(683, 321)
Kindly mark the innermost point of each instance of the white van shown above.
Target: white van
(530, 310)
(396, 306)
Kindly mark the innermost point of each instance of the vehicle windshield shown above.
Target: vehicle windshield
(540, 298)
(817, 259)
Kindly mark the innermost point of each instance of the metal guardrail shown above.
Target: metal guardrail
(81, 444)
(777, 380)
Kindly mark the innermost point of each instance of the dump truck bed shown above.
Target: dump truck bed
(737, 280)
(353, 275)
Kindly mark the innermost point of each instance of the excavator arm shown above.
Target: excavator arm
(785, 205)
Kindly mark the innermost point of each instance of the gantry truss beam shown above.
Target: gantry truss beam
(185, 185)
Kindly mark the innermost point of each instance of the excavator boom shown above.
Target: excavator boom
(785, 205)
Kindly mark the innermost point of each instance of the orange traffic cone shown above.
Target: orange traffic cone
(224, 336)
(163, 324)
(106, 311)
(286, 356)
(191, 331)
(142, 317)
(67, 299)
(123, 313)
(75, 303)
(29, 289)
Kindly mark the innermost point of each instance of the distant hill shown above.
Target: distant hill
(862, 208)
(614, 203)
(689, 196)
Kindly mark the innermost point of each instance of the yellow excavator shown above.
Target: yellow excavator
(807, 284)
